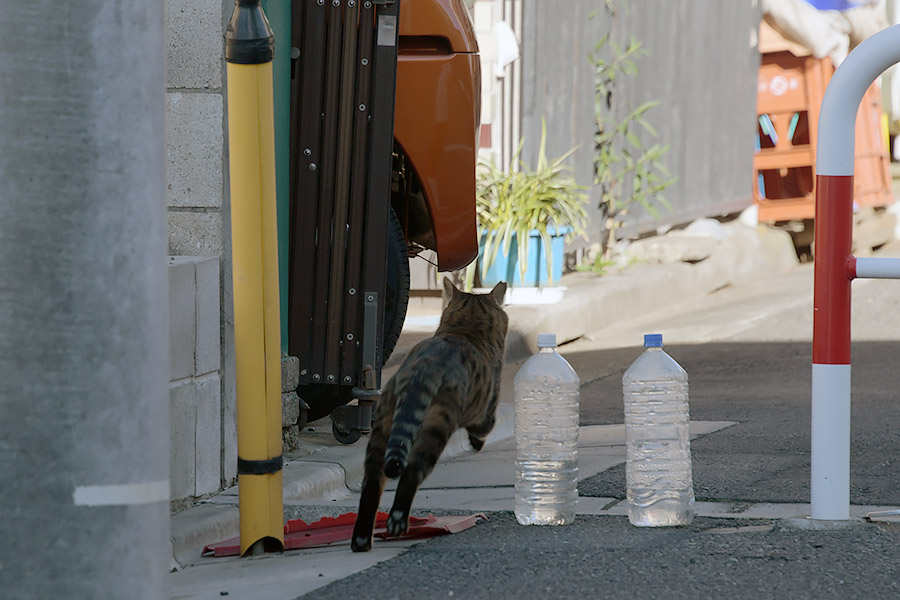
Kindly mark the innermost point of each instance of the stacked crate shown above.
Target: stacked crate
(791, 84)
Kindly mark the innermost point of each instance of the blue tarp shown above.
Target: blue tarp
(837, 4)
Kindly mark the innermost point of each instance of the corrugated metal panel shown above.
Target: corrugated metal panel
(701, 64)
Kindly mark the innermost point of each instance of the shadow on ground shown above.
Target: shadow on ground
(765, 389)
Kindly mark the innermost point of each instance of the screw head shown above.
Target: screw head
(352, 291)
(347, 379)
(350, 336)
(303, 371)
(312, 166)
(316, 377)
(364, 62)
(362, 108)
(307, 152)
(370, 298)
(331, 378)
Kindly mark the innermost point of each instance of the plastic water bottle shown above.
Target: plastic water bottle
(546, 390)
(658, 484)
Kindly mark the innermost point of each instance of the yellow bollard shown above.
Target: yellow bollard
(251, 145)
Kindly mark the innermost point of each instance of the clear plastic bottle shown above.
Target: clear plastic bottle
(658, 482)
(546, 390)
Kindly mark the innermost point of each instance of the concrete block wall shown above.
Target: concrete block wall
(195, 389)
(202, 390)
(195, 126)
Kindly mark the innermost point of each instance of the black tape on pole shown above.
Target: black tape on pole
(260, 467)
(248, 38)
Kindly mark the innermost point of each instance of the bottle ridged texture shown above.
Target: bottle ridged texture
(658, 480)
(547, 418)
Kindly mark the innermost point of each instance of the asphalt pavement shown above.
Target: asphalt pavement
(739, 321)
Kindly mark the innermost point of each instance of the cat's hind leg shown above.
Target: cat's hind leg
(478, 433)
(440, 421)
(373, 481)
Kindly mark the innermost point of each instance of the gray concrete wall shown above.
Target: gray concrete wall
(202, 392)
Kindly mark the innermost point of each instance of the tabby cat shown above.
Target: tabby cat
(449, 381)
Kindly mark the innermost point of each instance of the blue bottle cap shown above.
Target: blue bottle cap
(546, 340)
(653, 340)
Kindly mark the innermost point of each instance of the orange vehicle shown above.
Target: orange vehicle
(363, 200)
(436, 128)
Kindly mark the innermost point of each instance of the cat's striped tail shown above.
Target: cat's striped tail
(413, 399)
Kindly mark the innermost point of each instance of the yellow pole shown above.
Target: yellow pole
(251, 144)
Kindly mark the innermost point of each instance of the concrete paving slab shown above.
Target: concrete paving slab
(334, 471)
(499, 469)
(277, 576)
(600, 447)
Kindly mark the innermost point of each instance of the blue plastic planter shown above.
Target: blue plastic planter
(506, 266)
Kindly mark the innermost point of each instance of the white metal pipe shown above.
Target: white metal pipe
(830, 448)
(837, 119)
(878, 268)
(835, 157)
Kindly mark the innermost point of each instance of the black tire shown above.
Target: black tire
(345, 437)
(396, 292)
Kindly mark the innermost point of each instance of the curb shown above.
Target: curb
(741, 252)
(330, 474)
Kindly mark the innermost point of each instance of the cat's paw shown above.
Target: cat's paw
(361, 543)
(397, 523)
(476, 443)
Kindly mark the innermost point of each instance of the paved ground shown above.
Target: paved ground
(746, 348)
(604, 557)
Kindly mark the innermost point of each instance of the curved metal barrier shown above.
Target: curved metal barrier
(835, 268)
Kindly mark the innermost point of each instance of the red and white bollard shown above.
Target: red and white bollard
(835, 268)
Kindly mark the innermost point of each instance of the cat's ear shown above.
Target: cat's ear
(498, 292)
(449, 288)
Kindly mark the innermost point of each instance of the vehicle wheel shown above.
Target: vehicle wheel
(396, 296)
(345, 436)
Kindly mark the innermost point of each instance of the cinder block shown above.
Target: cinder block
(209, 348)
(229, 396)
(208, 456)
(195, 139)
(194, 45)
(182, 317)
(182, 431)
(290, 373)
(195, 233)
(290, 409)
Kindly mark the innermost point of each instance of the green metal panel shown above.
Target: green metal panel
(279, 15)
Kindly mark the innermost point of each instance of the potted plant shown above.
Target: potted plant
(524, 216)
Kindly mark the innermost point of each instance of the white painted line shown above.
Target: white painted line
(123, 494)
(878, 268)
